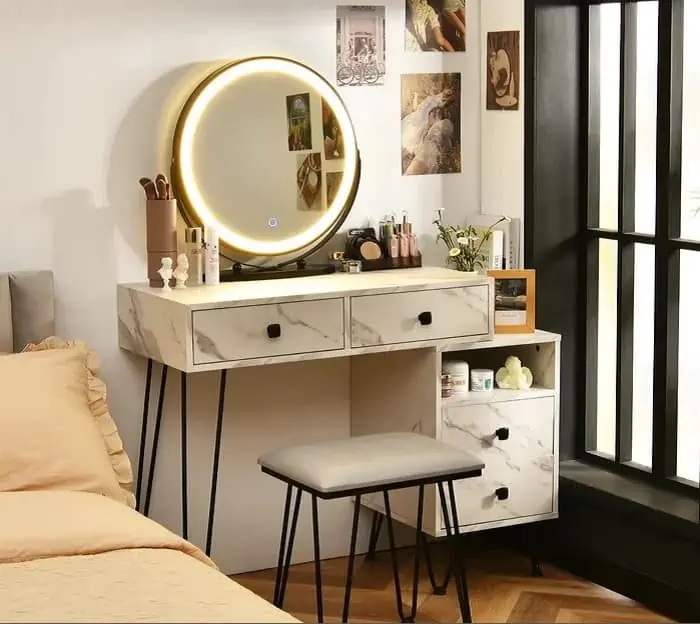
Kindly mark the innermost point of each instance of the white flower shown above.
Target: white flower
(454, 252)
(463, 240)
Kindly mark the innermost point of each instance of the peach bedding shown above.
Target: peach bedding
(82, 557)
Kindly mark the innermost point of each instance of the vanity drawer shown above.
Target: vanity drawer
(260, 331)
(421, 315)
(519, 467)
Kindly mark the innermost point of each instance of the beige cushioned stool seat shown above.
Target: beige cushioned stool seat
(368, 461)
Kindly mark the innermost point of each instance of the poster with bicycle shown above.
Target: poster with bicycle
(360, 45)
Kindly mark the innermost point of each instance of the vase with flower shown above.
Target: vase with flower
(465, 243)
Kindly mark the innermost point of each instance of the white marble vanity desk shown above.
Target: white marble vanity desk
(225, 326)
(395, 326)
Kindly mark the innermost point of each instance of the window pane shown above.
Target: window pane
(688, 465)
(607, 346)
(690, 220)
(643, 351)
(645, 159)
(609, 106)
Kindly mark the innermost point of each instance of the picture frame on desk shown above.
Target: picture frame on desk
(514, 301)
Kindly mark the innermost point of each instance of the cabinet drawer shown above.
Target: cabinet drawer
(229, 334)
(519, 467)
(422, 315)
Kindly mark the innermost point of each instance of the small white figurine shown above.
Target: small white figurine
(181, 270)
(514, 376)
(166, 272)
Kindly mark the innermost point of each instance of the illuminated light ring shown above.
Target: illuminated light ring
(184, 149)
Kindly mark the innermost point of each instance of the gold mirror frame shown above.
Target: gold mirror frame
(196, 213)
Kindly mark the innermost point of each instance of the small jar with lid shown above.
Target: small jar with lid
(446, 381)
(458, 370)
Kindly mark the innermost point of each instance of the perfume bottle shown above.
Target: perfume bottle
(194, 248)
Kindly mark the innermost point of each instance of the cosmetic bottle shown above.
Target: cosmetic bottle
(393, 246)
(403, 241)
(194, 249)
(412, 242)
(211, 256)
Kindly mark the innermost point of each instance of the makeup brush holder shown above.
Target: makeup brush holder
(161, 236)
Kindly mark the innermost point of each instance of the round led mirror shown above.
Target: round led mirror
(266, 152)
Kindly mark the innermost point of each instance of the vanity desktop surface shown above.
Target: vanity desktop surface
(310, 288)
(273, 321)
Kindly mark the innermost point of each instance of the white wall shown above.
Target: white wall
(502, 132)
(84, 114)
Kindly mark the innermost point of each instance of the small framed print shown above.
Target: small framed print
(515, 301)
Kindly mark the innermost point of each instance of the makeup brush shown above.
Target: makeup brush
(149, 187)
(162, 186)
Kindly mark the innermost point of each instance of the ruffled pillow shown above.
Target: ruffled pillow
(97, 397)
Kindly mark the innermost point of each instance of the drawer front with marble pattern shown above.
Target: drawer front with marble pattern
(421, 315)
(262, 331)
(516, 441)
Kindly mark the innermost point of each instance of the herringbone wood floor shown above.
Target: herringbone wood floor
(500, 586)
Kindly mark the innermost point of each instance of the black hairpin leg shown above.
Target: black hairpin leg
(394, 561)
(183, 449)
(286, 546)
(156, 437)
(217, 454)
(351, 558)
(317, 559)
(438, 589)
(377, 520)
(144, 431)
(457, 563)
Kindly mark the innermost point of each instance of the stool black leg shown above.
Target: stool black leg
(416, 561)
(217, 455)
(461, 573)
(535, 567)
(283, 539)
(377, 520)
(317, 559)
(183, 450)
(438, 589)
(156, 438)
(351, 558)
(144, 431)
(394, 560)
(457, 563)
(283, 564)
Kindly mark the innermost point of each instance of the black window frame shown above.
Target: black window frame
(667, 242)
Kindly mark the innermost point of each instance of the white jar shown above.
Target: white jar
(459, 375)
(482, 380)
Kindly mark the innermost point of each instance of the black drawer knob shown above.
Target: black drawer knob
(502, 493)
(425, 318)
(503, 433)
(274, 330)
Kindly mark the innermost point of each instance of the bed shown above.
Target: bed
(72, 548)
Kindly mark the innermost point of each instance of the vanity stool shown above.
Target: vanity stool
(364, 465)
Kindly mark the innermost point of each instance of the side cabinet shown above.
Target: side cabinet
(515, 432)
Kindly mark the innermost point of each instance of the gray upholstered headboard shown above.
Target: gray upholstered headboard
(26, 309)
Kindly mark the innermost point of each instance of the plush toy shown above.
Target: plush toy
(514, 376)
